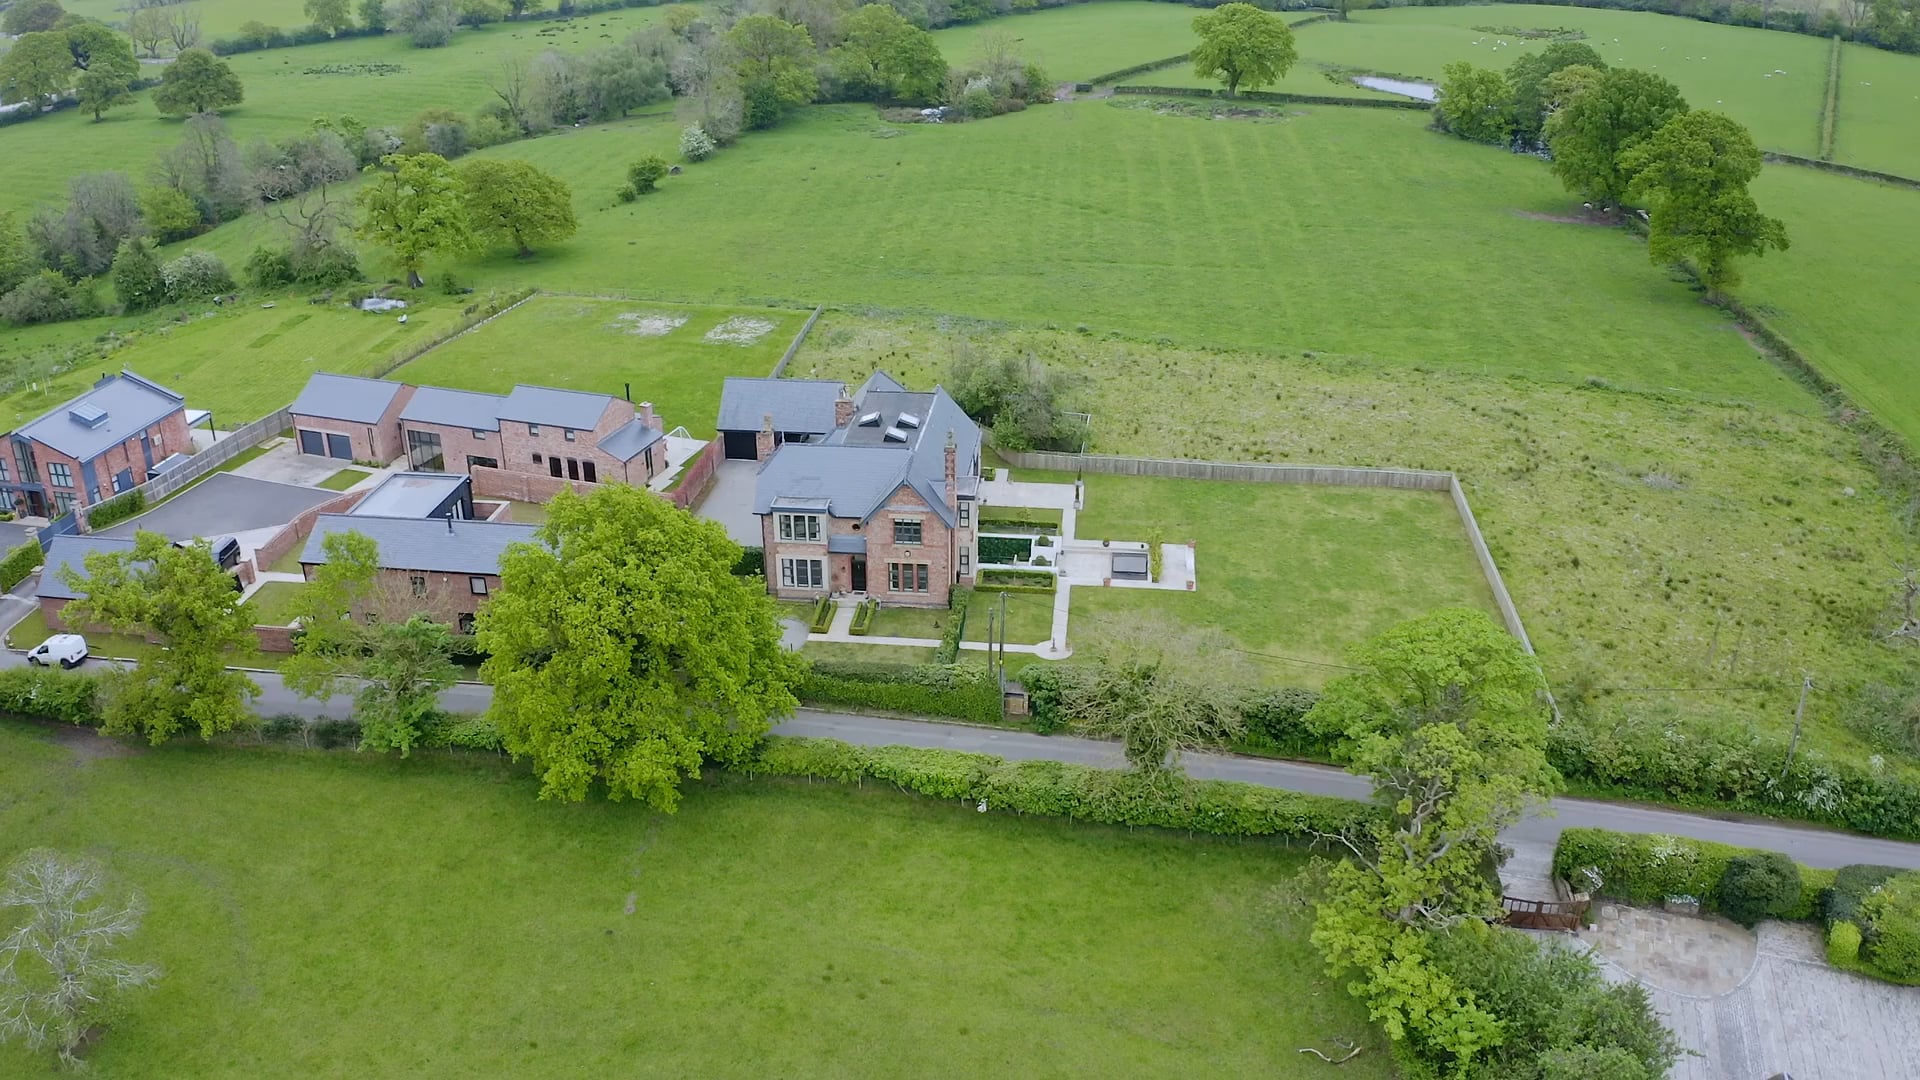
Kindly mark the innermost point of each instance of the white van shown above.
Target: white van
(65, 649)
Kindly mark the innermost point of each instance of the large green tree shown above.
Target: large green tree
(623, 651)
(883, 57)
(31, 16)
(137, 280)
(359, 634)
(1447, 715)
(106, 66)
(413, 206)
(774, 60)
(429, 24)
(197, 82)
(515, 202)
(1475, 103)
(1242, 46)
(180, 598)
(18, 262)
(333, 16)
(1161, 689)
(1528, 76)
(1618, 111)
(1694, 174)
(37, 68)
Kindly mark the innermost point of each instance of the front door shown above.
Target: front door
(859, 573)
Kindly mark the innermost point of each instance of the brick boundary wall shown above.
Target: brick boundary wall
(301, 527)
(522, 487)
(698, 475)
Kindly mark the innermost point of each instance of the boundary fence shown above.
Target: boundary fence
(239, 441)
(1775, 157)
(799, 339)
(1321, 475)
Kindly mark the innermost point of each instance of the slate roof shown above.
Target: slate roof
(857, 468)
(468, 547)
(454, 408)
(72, 551)
(555, 408)
(410, 494)
(795, 404)
(627, 441)
(345, 397)
(129, 404)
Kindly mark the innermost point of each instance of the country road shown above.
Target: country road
(1808, 845)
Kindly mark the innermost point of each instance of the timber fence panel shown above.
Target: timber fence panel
(799, 339)
(239, 441)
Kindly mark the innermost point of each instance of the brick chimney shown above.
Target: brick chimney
(763, 442)
(842, 409)
(647, 418)
(952, 470)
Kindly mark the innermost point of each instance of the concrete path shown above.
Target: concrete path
(283, 463)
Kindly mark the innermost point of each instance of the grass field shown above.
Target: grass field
(381, 81)
(1648, 541)
(1844, 292)
(246, 361)
(218, 18)
(1732, 69)
(1879, 97)
(662, 351)
(433, 916)
(1312, 233)
(1075, 43)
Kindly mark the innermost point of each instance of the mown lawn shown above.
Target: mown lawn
(432, 915)
(273, 601)
(380, 81)
(1029, 616)
(673, 355)
(344, 479)
(1648, 541)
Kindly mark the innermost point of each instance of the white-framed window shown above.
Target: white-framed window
(906, 530)
(802, 574)
(966, 512)
(533, 429)
(801, 527)
(569, 434)
(966, 561)
(477, 585)
(907, 577)
(479, 435)
(59, 474)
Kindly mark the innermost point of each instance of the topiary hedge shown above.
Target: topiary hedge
(959, 692)
(1076, 792)
(822, 615)
(863, 617)
(1005, 549)
(19, 562)
(1758, 885)
(1038, 581)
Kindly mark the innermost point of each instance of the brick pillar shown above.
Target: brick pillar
(952, 470)
(763, 442)
(842, 409)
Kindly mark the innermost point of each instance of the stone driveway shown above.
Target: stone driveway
(730, 502)
(1751, 1006)
(224, 504)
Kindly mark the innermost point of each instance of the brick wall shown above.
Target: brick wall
(457, 444)
(371, 442)
(698, 475)
(935, 550)
(274, 639)
(296, 531)
(522, 487)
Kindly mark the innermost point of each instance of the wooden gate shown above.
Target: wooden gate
(1543, 914)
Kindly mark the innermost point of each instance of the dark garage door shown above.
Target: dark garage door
(312, 443)
(740, 445)
(339, 446)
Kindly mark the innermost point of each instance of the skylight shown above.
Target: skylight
(894, 434)
(872, 419)
(908, 420)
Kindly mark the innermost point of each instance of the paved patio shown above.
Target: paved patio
(1752, 1005)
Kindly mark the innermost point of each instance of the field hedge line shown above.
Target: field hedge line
(1835, 167)
(1140, 69)
(1273, 95)
(1075, 792)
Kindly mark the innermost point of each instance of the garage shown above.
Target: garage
(326, 444)
(740, 445)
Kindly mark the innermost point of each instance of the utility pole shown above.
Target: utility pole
(1799, 711)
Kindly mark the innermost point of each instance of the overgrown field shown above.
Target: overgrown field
(379, 80)
(434, 916)
(1329, 230)
(243, 362)
(1078, 42)
(1773, 82)
(673, 355)
(1879, 96)
(1650, 542)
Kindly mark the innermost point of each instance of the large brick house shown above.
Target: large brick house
(92, 448)
(879, 499)
(535, 430)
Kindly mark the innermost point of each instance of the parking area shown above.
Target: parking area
(222, 505)
(730, 502)
(13, 534)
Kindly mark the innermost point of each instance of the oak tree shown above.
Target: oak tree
(1618, 111)
(197, 82)
(1475, 103)
(37, 68)
(1693, 174)
(774, 61)
(623, 651)
(1242, 46)
(515, 202)
(413, 206)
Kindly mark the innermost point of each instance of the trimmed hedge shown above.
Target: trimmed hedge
(863, 617)
(948, 650)
(1646, 869)
(1851, 886)
(1075, 792)
(1139, 69)
(117, 509)
(19, 562)
(1016, 581)
(959, 692)
(822, 615)
(1005, 549)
